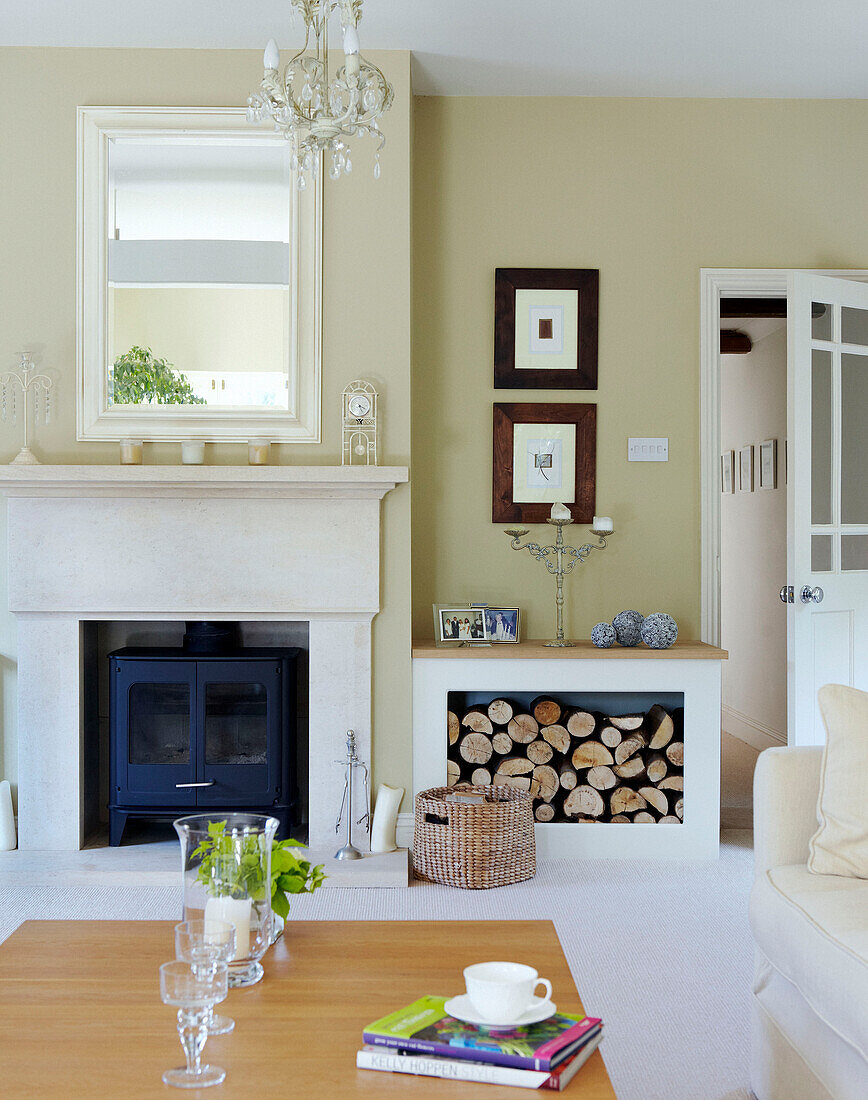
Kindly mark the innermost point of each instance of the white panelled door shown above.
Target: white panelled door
(827, 494)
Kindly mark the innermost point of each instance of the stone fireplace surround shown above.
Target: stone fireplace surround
(166, 543)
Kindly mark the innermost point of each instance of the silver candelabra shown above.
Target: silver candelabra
(560, 560)
(24, 379)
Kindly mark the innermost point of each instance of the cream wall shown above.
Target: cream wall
(366, 302)
(753, 547)
(648, 191)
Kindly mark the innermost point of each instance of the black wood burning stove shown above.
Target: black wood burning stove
(193, 730)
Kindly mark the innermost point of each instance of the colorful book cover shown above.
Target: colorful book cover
(424, 1028)
(387, 1060)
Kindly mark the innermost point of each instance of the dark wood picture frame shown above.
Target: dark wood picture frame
(506, 416)
(507, 280)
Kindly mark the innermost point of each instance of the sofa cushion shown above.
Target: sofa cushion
(814, 930)
(840, 845)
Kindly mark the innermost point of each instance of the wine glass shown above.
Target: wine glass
(194, 992)
(202, 944)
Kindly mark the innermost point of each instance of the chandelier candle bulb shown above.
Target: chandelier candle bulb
(271, 57)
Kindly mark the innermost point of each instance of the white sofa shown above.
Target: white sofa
(810, 990)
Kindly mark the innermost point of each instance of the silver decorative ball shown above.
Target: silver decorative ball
(603, 635)
(659, 630)
(627, 626)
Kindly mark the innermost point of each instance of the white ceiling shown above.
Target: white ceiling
(777, 48)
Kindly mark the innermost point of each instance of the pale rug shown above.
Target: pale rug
(662, 951)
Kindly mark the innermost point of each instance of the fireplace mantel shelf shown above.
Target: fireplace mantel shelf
(320, 482)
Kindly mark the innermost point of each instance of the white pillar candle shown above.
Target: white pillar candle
(561, 511)
(132, 452)
(258, 452)
(383, 837)
(192, 452)
(603, 525)
(237, 912)
(7, 818)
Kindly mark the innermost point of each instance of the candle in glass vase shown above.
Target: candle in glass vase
(237, 912)
(132, 452)
(258, 452)
(603, 525)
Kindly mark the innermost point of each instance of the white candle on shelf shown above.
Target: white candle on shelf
(7, 818)
(561, 511)
(603, 525)
(258, 452)
(386, 818)
(132, 452)
(237, 912)
(192, 452)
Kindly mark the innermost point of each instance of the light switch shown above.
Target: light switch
(648, 450)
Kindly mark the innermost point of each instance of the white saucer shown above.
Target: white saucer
(462, 1009)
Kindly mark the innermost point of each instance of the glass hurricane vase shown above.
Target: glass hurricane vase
(226, 862)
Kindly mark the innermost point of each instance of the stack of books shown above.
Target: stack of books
(424, 1040)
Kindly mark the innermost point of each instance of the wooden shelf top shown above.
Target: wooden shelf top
(582, 649)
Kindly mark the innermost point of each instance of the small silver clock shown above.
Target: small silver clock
(359, 424)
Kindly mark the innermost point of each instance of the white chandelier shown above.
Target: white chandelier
(315, 110)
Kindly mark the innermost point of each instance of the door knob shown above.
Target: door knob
(811, 595)
(786, 594)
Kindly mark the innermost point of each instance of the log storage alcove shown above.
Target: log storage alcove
(626, 740)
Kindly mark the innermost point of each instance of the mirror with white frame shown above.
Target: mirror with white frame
(199, 279)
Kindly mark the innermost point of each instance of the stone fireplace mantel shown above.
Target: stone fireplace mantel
(293, 543)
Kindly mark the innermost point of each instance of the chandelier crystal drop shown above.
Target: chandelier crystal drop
(316, 110)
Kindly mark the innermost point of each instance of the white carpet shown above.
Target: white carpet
(662, 951)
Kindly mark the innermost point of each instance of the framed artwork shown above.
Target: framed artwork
(745, 469)
(454, 623)
(543, 454)
(768, 464)
(502, 624)
(545, 328)
(727, 472)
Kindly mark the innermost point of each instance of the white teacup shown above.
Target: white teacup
(503, 991)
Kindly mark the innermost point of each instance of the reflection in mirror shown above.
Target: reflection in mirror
(821, 437)
(854, 325)
(854, 552)
(821, 321)
(854, 438)
(198, 296)
(821, 553)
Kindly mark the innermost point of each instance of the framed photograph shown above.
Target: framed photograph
(502, 624)
(768, 464)
(545, 328)
(727, 472)
(459, 624)
(543, 454)
(745, 469)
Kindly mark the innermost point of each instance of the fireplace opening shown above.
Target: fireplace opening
(191, 717)
(603, 758)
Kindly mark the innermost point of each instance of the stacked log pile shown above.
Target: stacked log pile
(579, 765)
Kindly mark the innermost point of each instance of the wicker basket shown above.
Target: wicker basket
(474, 847)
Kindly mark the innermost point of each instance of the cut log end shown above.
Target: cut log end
(544, 812)
(591, 754)
(481, 777)
(475, 748)
(584, 801)
(453, 773)
(540, 752)
(500, 712)
(523, 728)
(581, 723)
(477, 720)
(546, 711)
(453, 726)
(557, 737)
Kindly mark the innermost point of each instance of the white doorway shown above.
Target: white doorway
(816, 636)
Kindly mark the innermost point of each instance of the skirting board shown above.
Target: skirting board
(750, 730)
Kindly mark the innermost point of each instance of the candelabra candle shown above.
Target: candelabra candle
(25, 380)
(560, 560)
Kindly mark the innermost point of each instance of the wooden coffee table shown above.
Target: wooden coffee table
(81, 1016)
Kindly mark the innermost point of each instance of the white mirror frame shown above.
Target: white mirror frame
(96, 419)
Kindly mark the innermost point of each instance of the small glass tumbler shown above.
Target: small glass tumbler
(194, 994)
(132, 452)
(259, 452)
(226, 861)
(202, 944)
